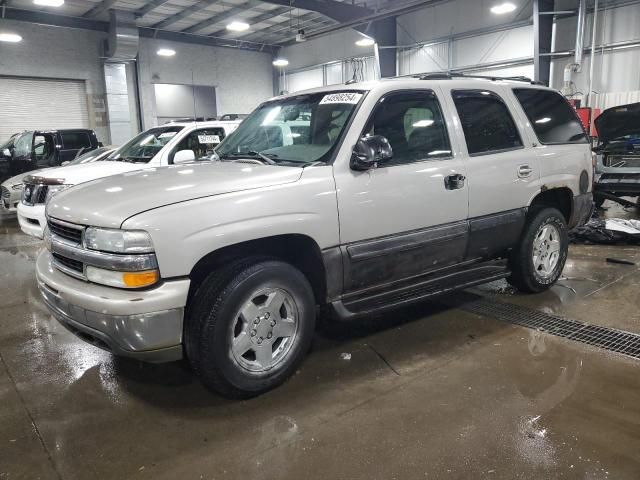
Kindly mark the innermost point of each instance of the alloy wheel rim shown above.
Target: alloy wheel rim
(264, 330)
(546, 250)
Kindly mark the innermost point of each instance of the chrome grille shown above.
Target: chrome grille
(69, 263)
(622, 161)
(68, 231)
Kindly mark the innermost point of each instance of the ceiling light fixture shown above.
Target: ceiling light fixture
(280, 62)
(503, 8)
(10, 37)
(166, 52)
(365, 42)
(238, 26)
(49, 3)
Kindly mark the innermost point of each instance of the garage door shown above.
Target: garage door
(30, 103)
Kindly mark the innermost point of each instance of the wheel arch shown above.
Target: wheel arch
(299, 250)
(560, 198)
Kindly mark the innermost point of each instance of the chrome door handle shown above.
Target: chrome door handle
(524, 171)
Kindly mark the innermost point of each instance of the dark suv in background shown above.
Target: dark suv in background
(37, 149)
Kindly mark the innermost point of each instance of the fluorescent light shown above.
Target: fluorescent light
(423, 123)
(10, 37)
(365, 42)
(280, 62)
(502, 8)
(238, 26)
(166, 52)
(49, 3)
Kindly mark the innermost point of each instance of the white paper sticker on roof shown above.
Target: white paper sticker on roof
(343, 97)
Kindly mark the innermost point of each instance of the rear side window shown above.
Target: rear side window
(75, 140)
(486, 121)
(551, 117)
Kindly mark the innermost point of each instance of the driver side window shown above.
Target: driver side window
(201, 142)
(414, 125)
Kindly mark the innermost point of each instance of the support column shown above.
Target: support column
(542, 32)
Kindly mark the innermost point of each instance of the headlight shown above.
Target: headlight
(17, 186)
(54, 189)
(122, 279)
(118, 241)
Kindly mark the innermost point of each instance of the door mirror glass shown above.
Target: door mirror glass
(184, 156)
(369, 151)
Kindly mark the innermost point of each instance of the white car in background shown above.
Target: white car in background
(176, 142)
(12, 187)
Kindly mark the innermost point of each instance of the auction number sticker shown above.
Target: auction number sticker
(343, 97)
(208, 139)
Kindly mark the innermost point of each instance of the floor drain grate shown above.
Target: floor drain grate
(619, 341)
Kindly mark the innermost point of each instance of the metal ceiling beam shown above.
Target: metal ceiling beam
(286, 27)
(152, 5)
(257, 19)
(340, 11)
(221, 17)
(195, 8)
(101, 7)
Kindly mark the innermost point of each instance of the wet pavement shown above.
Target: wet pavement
(424, 392)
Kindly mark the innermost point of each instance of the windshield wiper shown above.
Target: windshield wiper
(266, 158)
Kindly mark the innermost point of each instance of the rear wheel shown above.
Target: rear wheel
(250, 327)
(539, 259)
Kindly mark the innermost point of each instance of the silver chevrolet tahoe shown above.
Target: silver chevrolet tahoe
(355, 198)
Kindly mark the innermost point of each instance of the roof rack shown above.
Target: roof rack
(451, 75)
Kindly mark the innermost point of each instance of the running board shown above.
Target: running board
(353, 306)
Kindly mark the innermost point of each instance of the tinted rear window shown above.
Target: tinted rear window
(75, 140)
(551, 116)
(486, 122)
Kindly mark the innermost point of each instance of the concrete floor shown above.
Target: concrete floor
(428, 392)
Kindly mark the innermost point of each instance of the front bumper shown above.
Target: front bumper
(32, 219)
(146, 325)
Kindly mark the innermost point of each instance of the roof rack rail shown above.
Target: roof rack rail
(451, 75)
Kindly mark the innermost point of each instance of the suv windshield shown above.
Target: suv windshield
(296, 130)
(143, 147)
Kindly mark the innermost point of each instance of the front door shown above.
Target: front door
(408, 216)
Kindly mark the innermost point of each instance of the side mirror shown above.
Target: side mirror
(369, 151)
(6, 152)
(184, 156)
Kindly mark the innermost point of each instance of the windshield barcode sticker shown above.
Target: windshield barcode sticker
(208, 139)
(344, 97)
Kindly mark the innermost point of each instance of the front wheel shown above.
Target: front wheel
(539, 259)
(250, 327)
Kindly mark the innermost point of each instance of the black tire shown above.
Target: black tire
(214, 317)
(524, 275)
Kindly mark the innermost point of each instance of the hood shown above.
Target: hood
(19, 178)
(84, 172)
(618, 121)
(108, 202)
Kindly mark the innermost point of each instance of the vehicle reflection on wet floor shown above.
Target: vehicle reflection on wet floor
(424, 392)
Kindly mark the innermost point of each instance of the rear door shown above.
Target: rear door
(401, 219)
(503, 173)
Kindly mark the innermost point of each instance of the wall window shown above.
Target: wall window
(487, 124)
(551, 116)
(413, 124)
